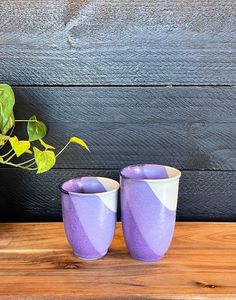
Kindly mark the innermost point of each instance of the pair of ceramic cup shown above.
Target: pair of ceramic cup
(148, 195)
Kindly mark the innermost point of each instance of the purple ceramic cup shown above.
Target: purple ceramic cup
(148, 205)
(89, 207)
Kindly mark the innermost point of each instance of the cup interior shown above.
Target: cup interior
(149, 171)
(89, 185)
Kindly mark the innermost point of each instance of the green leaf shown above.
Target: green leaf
(7, 102)
(36, 129)
(46, 146)
(1, 160)
(80, 142)
(19, 147)
(45, 160)
(29, 152)
(4, 137)
(9, 125)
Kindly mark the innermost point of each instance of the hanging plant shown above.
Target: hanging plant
(43, 158)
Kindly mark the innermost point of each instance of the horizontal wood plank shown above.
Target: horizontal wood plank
(117, 42)
(36, 262)
(189, 128)
(204, 195)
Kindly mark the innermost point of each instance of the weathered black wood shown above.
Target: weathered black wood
(204, 195)
(117, 42)
(190, 128)
(70, 42)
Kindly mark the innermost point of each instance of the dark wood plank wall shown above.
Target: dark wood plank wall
(141, 81)
(117, 42)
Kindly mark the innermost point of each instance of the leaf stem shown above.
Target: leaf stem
(60, 152)
(9, 135)
(23, 121)
(10, 157)
(6, 154)
(16, 165)
(25, 162)
(33, 163)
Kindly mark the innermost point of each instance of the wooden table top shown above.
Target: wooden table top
(36, 262)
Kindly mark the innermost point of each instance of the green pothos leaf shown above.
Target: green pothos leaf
(36, 129)
(4, 137)
(45, 160)
(7, 102)
(19, 147)
(46, 146)
(79, 141)
(29, 151)
(9, 125)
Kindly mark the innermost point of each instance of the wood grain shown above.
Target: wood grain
(203, 195)
(190, 128)
(36, 262)
(117, 42)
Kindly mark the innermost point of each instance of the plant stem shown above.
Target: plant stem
(3, 145)
(10, 157)
(9, 135)
(6, 154)
(25, 162)
(33, 163)
(12, 130)
(60, 152)
(16, 165)
(23, 121)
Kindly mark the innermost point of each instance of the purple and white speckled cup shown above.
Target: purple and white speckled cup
(89, 207)
(149, 195)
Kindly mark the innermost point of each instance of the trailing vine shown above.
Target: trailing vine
(43, 158)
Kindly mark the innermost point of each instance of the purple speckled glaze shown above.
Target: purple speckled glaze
(89, 206)
(148, 204)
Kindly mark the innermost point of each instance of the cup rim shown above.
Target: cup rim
(151, 179)
(89, 194)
